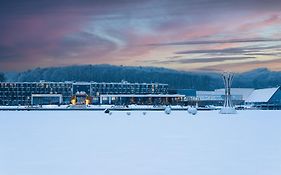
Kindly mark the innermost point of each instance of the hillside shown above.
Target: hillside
(259, 78)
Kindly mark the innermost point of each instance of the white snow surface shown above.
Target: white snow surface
(261, 95)
(94, 143)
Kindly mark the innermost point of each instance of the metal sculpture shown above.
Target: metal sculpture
(228, 107)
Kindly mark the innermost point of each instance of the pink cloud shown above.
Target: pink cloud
(37, 38)
(240, 67)
(260, 24)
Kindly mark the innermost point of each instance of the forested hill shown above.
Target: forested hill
(259, 78)
(2, 77)
(109, 73)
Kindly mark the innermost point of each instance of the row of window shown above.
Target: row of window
(70, 85)
(15, 85)
(64, 90)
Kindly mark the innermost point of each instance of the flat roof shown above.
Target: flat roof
(46, 95)
(142, 95)
(80, 83)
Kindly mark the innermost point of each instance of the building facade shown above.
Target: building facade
(20, 93)
(268, 98)
(35, 93)
(216, 97)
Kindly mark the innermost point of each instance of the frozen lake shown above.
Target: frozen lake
(93, 143)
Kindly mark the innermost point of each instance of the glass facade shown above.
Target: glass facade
(19, 93)
(46, 100)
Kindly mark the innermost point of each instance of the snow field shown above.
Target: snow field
(92, 142)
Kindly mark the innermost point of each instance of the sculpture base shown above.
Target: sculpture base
(228, 110)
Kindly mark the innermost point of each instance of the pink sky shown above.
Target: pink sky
(183, 35)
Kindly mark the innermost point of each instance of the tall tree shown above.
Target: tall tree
(2, 77)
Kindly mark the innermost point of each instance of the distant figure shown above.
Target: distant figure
(192, 110)
(107, 111)
(168, 110)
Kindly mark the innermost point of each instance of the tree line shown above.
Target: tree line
(2, 77)
(259, 78)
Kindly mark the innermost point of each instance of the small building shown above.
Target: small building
(242, 92)
(216, 97)
(268, 98)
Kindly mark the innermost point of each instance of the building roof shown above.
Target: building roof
(142, 95)
(261, 95)
(82, 83)
(244, 92)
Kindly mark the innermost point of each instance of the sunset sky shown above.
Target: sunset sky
(219, 35)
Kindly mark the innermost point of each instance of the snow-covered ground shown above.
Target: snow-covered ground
(95, 107)
(94, 143)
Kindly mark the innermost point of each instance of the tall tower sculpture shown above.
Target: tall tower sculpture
(228, 107)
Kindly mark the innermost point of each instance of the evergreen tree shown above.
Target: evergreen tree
(2, 77)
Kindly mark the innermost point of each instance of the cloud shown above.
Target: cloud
(237, 50)
(272, 20)
(244, 50)
(264, 54)
(240, 67)
(203, 42)
(47, 32)
(203, 60)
